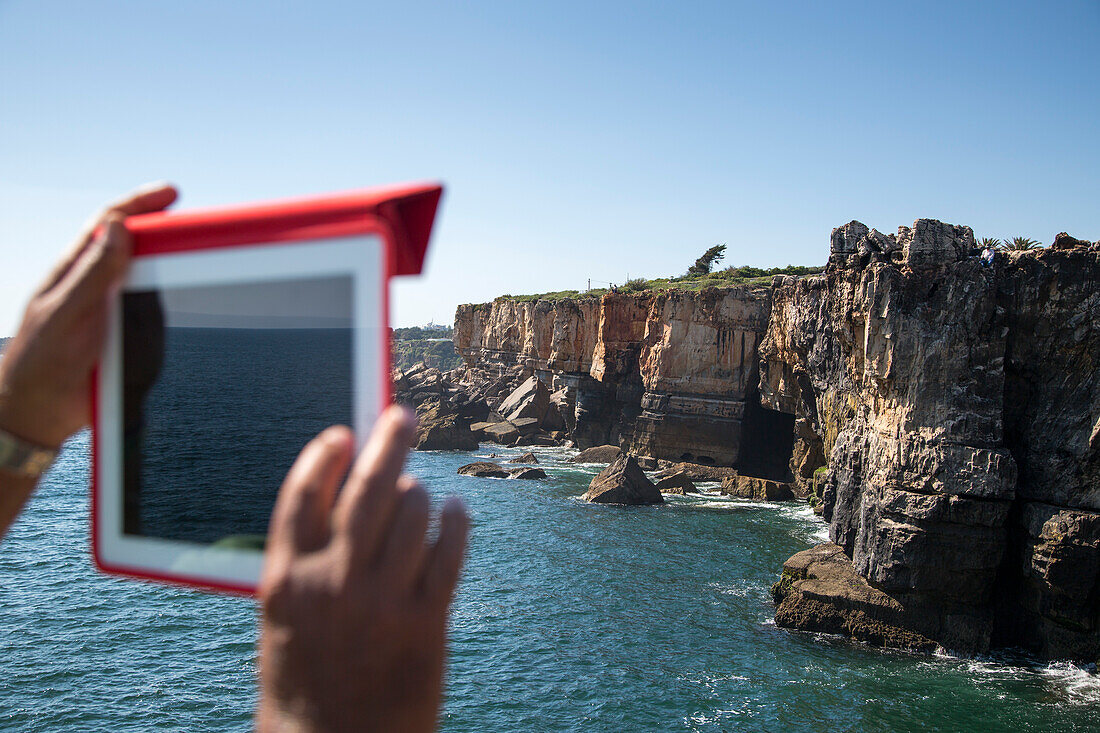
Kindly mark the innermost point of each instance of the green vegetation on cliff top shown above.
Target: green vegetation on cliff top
(729, 277)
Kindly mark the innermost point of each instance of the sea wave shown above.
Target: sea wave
(1070, 683)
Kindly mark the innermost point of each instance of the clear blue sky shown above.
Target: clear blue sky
(577, 140)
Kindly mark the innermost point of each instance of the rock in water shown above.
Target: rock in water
(527, 473)
(695, 472)
(675, 483)
(623, 482)
(599, 454)
(525, 458)
(748, 487)
(483, 469)
(820, 591)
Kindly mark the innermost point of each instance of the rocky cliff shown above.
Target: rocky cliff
(944, 413)
(669, 375)
(956, 404)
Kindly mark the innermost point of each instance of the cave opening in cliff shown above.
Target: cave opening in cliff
(767, 442)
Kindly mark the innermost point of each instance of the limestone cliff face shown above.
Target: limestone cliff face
(667, 374)
(954, 405)
(698, 367)
(945, 415)
(558, 335)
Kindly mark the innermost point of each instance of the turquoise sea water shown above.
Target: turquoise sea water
(570, 617)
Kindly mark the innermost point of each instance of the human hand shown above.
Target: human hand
(45, 372)
(354, 600)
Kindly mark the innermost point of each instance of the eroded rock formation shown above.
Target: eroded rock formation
(946, 413)
(954, 405)
(669, 375)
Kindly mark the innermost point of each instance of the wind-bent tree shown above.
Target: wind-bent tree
(709, 259)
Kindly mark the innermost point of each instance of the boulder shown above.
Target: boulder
(504, 433)
(479, 428)
(527, 473)
(525, 458)
(439, 427)
(697, 472)
(820, 591)
(748, 487)
(483, 469)
(525, 425)
(562, 409)
(676, 482)
(1065, 241)
(537, 439)
(470, 408)
(599, 454)
(623, 482)
(529, 400)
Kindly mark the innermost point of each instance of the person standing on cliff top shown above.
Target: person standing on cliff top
(354, 601)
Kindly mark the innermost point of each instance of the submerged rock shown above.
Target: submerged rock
(483, 469)
(623, 482)
(525, 458)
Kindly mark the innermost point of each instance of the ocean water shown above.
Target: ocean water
(569, 617)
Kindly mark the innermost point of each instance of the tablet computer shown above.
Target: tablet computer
(238, 335)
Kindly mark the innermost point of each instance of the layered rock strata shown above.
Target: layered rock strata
(944, 416)
(954, 404)
(669, 375)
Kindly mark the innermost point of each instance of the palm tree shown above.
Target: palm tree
(1019, 244)
(990, 243)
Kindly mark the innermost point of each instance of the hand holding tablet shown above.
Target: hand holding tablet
(239, 335)
(214, 366)
(46, 367)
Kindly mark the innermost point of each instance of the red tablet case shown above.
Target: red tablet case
(402, 215)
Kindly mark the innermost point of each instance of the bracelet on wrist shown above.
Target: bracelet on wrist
(22, 458)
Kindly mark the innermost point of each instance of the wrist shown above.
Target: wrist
(30, 425)
(23, 459)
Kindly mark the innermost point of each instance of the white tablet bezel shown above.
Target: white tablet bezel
(362, 257)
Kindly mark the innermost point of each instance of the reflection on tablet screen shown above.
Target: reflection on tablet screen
(223, 386)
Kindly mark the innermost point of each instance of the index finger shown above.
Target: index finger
(364, 509)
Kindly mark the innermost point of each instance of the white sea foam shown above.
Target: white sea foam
(1069, 682)
(1079, 683)
(739, 590)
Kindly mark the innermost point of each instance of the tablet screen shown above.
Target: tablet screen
(222, 387)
